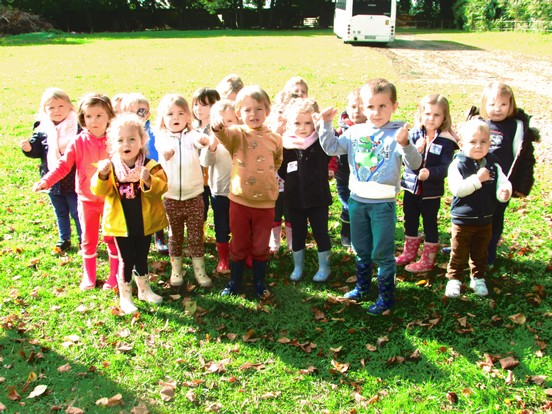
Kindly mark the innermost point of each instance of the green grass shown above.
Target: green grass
(303, 351)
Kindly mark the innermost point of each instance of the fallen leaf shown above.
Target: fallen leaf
(140, 409)
(167, 393)
(64, 368)
(2, 407)
(518, 318)
(74, 410)
(373, 400)
(510, 378)
(371, 348)
(38, 391)
(509, 362)
(336, 350)
(191, 396)
(548, 392)
(13, 395)
(110, 402)
(452, 397)
(273, 394)
(538, 379)
(382, 341)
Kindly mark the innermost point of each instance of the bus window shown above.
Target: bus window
(372, 7)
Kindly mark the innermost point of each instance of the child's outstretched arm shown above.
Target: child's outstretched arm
(411, 157)
(503, 187)
(331, 144)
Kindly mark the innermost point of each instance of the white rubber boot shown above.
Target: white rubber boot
(177, 273)
(199, 272)
(144, 289)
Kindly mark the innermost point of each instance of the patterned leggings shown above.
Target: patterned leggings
(185, 214)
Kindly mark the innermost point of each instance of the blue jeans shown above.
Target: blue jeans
(221, 215)
(65, 207)
(373, 235)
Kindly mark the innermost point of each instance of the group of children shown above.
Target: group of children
(244, 156)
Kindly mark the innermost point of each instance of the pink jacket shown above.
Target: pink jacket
(84, 152)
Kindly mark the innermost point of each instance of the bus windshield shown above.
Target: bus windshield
(372, 7)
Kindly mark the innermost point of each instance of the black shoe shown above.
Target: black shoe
(63, 245)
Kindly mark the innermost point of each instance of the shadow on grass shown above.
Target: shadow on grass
(28, 363)
(61, 38)
(437, 45)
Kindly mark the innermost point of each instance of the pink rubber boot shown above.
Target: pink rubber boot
(410, 250)
(89, 277)
(427, 260)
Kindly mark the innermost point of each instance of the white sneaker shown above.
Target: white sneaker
(479, 287)
(453, 288)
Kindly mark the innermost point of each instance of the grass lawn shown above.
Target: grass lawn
(305, 349)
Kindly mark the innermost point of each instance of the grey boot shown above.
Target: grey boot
(298, 263)
(324, 270)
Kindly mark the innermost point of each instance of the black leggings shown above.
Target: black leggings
(133, 254)
(318, 218)
(415, 206)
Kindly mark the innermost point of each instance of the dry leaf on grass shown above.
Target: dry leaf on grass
(38, 391)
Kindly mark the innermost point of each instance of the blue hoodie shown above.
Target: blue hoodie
(375, 159)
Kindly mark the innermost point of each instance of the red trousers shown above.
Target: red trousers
(250, 228)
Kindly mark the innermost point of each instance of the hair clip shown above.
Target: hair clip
(141, 112)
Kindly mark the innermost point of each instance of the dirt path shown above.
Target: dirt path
(448, 63)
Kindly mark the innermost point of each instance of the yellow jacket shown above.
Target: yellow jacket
(153, 211)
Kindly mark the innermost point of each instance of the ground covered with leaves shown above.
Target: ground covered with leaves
(304, 348)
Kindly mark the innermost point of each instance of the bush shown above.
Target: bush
(13, 21)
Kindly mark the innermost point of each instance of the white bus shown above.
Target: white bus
(365, 21)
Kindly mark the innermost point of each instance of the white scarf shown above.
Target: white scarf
(58, 136)
(293, 142)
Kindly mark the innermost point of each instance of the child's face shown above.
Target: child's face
(202, 112)
(476, 146)
(354, 110)
(128, 144)
(299, 90)
(378, 108)
(176, 118)
(252, 112)
(229, 118)
(432, 117)
(57, 110)
(96, 120)
(301, 125)
(498, 107)
(141, 110)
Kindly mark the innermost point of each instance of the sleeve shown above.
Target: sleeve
(411, 157)
(207, 158)
(101, 187)
(331, 144)
(65, 164)
(439, 172)
(461, 187)
(522, 175)
(159, 182)
(37, 141)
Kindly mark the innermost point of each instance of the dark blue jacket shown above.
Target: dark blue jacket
(436, 160)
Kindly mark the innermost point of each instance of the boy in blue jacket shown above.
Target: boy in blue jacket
(376, 151)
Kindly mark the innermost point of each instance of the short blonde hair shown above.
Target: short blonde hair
(95, 99)
(166, 102)
(296, 80)
(255, 92)
(469, 128)
(300, 105)
(379, 85)
(123, 120)
(494, 89)
(133, 98)
(51, 94)
(435, 99)
(229, 84)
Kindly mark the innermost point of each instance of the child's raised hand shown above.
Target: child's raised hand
(327, 114)
(25, 145)
(483, 174)
(402, 136)
(504, 194)
(168, 154)
(145, 176)
(216, 123)
(203, 140)
(104, 168)
(423, 174)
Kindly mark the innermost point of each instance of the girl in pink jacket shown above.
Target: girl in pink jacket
(94, 114)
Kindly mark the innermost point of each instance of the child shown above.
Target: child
(351, 116)
(56, 128)
(178, 144)
(202, 100)
(375, 151)
(219, 163)
(256, 156)
(297, 86)
(512, 143)
(425, 187)
(138, 104)
(132, 186)
(95, 114)
(117, 101)
(476, 181)
(306, 191)
(229, 87)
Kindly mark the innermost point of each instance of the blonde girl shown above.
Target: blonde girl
(306, 192)
(512, 143)
(229, 86)
(56, 128)
(425, 186)
(90, 146)
(132, 185)
(178, 143)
